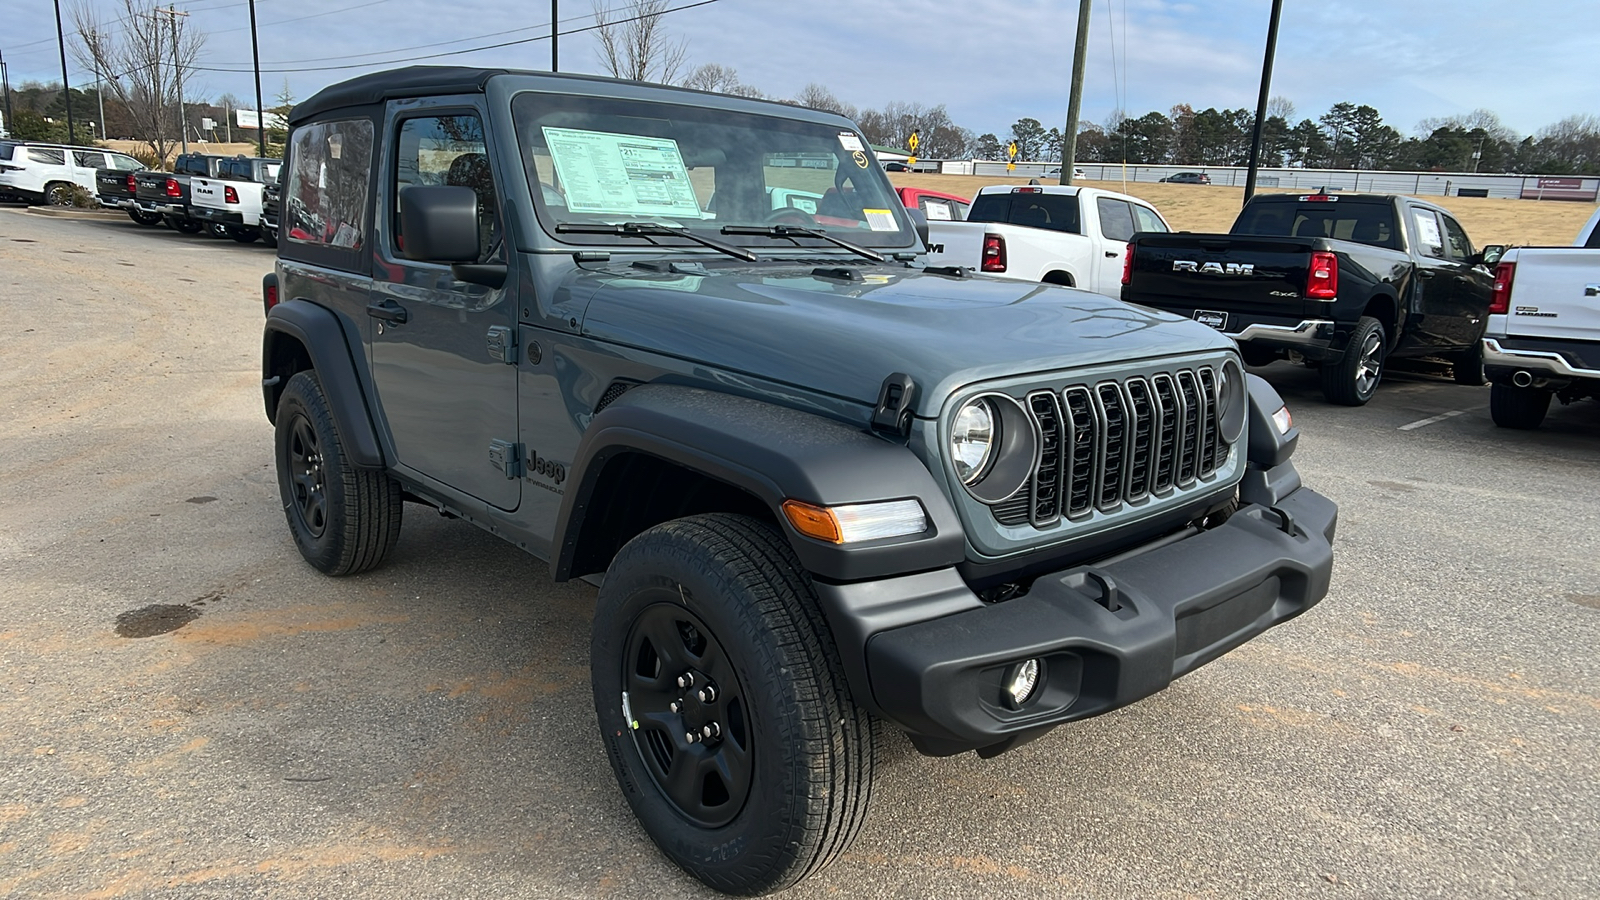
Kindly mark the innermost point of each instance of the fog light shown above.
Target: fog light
(1283, 420)
(1021, 681)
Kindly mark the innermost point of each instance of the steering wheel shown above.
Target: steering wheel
(788, 215)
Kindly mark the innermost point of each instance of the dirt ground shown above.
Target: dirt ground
(1192, 207)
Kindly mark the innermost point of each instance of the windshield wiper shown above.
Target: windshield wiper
(789, 231)
(649, 229)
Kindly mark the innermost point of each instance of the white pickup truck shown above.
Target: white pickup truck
(1543, 335)
(1068, 235)
(232, 200)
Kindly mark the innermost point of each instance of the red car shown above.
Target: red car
(936, 205)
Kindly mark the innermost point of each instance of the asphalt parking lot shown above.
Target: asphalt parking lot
(1429, 730)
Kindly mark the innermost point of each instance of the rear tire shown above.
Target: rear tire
(1467, 366)
(187, 226)
(344, 520)
(1353, 379)
(782, 785)
(148, 220)
(1521, 408)
(244, 235)
(58, 193)
(269, 237)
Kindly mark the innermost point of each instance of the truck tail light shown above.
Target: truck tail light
(1500, 299)
(994, 253)
(229, 195)
(1127, 263)
(173, 189)
(1322, 282)
(133, 184)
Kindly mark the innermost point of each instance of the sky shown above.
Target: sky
(989, 62)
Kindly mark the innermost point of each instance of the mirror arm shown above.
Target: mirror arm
(487, 274)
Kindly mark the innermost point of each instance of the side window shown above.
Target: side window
(1146, 219)
(961, 210)
(1429, 241)
(326, 197)
(447, 150)
(1456, 244)
(1116, 221)
(88, 160)
(125, 163)
(47, 156)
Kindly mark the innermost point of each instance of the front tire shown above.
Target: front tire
(766, 780)
(1354, 378)
(1521, 408)
(344, 520)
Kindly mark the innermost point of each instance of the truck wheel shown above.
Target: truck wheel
(1352, 380)
(269, 237)
(148, 220)
(244, 235)
(1257, 355)
(187, 226)
(344, 520)
(1514, 407)
(723, 705)
(1467, 366)
(58, 193)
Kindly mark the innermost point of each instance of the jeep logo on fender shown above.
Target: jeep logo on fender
(1213, 268)
(549, 468)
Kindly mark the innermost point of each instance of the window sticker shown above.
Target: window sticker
(1427, 229)
(622, 174)
(881, 220)
(850, 142)
(939, 212)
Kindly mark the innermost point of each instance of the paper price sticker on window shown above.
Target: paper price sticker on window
(881, 219)
(850, 142)
(622, 174)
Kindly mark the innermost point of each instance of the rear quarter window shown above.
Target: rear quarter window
(326, 195)
(47, 156)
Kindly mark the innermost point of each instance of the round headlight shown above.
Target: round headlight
(972, 440)
(1231, 400)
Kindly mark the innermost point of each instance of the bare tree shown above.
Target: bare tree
(140, 66)
(818, 97)
(634, 43)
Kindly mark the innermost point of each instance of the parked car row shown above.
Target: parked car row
(225, 193)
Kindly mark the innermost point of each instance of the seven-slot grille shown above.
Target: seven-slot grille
(1118, 441)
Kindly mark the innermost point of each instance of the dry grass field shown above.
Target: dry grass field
(1193, 207)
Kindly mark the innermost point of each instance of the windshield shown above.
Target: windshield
(607, 161)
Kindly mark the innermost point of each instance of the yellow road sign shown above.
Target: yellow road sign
(1011, 150)
(913, 141)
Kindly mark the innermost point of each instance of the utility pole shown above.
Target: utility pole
(177, 69)
(100, 94)
(1261, 102)
(66, 89)
(1069, 140)
(5, 86)
(555, 36)
(261, 114)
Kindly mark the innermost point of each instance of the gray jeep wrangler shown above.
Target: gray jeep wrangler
(683, 345)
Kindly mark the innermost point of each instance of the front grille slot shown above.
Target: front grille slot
(1046, 484)
(1118, 442)
(1082, 424)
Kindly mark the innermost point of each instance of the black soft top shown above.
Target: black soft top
(412, 81)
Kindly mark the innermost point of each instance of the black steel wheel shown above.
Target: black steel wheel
(1354, 378)
(148, 220)
(723, 705)
(344, 520)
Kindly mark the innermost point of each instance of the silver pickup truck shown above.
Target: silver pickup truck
(1543, 337)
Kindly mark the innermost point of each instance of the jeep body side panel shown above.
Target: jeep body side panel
(327, 341)
(774, 454)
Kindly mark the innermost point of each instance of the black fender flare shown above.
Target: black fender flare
(773, 453)
(317, 329)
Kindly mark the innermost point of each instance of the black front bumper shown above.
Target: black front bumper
(1106, 635)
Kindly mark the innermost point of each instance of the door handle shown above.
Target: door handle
(387, 310)
(1426, 273)
(1112, 254)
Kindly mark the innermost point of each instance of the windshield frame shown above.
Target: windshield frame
(530, 105)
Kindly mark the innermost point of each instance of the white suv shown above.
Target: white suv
(41, 172)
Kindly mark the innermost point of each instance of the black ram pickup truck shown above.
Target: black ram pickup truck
(118, 189)
(1342, 282)
(166, 194)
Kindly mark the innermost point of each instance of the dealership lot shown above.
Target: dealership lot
(1429, 730)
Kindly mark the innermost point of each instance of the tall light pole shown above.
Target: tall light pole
(255, 56)
(1069, 140)
(66, 89)
(555, 36)
(177, 70)
(1261, 102)
(5, 87)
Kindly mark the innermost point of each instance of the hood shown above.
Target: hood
(786, 324)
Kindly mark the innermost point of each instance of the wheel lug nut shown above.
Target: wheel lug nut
(711, 731)
(686, 680)
(675, 706)
(707, 693)
(692, 737)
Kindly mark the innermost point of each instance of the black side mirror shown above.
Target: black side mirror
(1491, 254)
(440, 224)
(919, 221)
